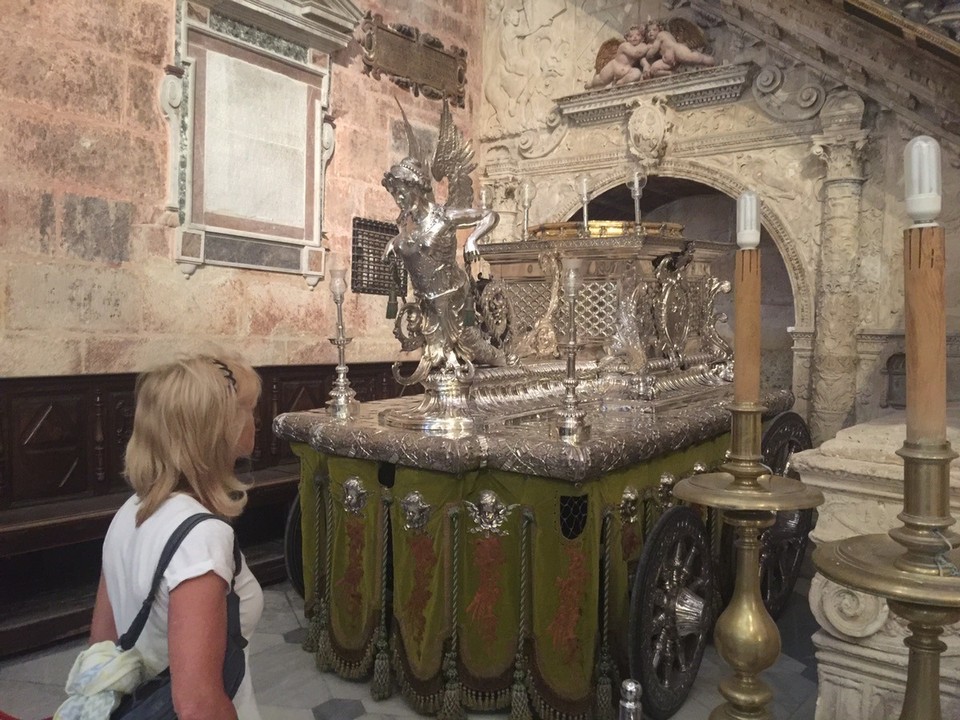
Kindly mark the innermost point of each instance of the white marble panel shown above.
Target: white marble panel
(255, 142)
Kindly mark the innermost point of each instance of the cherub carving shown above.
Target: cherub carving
(651, 50)
(489, 514)
(676, 43)
(619, 63)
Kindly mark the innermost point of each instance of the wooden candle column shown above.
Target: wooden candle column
(926, 452)
(745, 429)
(746, 333)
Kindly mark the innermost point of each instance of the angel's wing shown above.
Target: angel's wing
(606, 53)
(453, 159)
(687, 32)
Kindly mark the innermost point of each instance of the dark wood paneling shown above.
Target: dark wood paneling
(62, 441)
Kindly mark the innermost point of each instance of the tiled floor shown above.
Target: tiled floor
(288, 687)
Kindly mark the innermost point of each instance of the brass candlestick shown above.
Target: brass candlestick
(745, 635)
(916, 566)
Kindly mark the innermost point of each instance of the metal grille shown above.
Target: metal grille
(596, 310)
(369, 273)
(530, 300)
(573, 515)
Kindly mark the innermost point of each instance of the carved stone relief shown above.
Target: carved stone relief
(792, 94)
(647, 129)
(530, 57)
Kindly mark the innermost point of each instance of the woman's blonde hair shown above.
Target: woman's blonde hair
(189, 417)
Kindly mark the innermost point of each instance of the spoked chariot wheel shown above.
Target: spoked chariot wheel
(671, 611)
(293, 547)
(782, 546)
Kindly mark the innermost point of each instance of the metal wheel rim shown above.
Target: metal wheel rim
(671, 611)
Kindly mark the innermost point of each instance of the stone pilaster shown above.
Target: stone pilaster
(834, 371)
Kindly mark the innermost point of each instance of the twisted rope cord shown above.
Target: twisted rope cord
(324, 646)
(311, 641)
(451, 707)
(604, 695)
(519, 701)
(381, 687)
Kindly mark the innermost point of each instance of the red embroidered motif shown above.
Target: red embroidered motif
(488, 557)
(425, 563)
(570, 590)
(630, 541)
(352, 578)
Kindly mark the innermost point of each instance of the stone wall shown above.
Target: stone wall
(87, 280)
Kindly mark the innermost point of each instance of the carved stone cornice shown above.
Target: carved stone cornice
(326, 25)
(779, 135)
(712, 86)
(916, 85)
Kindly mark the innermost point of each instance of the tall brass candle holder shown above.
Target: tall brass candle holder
(745, 635)
(916, 566)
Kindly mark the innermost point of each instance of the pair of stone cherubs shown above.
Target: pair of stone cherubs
(647, 51)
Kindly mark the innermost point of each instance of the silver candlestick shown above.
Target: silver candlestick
(582, 184)
(571, 424)
(638, 180)
(528, 191)
(341, 404)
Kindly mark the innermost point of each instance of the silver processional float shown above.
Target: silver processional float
(562, 397)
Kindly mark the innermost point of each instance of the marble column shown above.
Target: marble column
(834, 372)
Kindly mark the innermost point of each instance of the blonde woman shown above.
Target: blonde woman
(194, 419)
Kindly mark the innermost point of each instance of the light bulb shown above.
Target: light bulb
(748, 220)
(572, 271)
(582, 184)
(528, 191)
(638, 180)
(921, 179)
(486, 197)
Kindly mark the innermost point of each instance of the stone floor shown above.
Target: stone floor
(288, 687)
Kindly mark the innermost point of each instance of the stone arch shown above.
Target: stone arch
(731, 185)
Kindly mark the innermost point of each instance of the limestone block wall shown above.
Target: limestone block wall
(87, 279)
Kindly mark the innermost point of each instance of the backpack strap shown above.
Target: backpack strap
(129, 638)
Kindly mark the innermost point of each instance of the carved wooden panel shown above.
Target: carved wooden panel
(49, 455)
(63, 439)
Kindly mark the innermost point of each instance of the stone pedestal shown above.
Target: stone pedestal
(861, 658)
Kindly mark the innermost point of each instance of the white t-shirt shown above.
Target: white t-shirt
(130, 558)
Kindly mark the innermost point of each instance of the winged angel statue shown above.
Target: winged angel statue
(427, 246)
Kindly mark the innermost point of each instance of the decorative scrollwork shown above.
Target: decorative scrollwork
(791, 96)
(844, 612)
(408, 327)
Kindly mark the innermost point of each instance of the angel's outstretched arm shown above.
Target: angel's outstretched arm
(483, 221)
